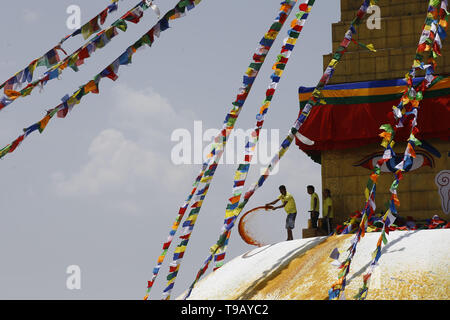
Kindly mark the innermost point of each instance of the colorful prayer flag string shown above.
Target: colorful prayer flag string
(172, 232)
(313, 101)
(243, 169)
(56, 66)
(430, 42)
(68, 102)
(92, 25)
(221, 139)
(387, 220)
(49, 59)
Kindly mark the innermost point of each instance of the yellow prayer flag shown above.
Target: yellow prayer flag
(250, 72)
(278, 72)
(292, 41)
(271, 35)
(333, 63)
(214, 248)
(205, 179)
(229, 214)
(180, 249)
(371, 47)
(239, 175)
(374, 254)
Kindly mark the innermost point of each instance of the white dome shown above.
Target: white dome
(413, 265)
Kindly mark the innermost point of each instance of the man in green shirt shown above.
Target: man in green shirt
(327, 213)
(314, 209)
(288, 203)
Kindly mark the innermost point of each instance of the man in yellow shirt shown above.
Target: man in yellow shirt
(289, 206)
(314, 209)
(327, 213)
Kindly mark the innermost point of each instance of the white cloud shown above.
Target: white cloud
(130, 155)
(112, 161)
(142, 111)
(118, 164)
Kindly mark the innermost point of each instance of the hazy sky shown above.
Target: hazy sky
(99, 189)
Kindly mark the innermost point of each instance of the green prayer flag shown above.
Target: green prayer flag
(299, 15)
(120, 24)
(281, 66)
(85, 31)
(369, 184)
(435, 3)
(183, 3)
(276, 26)
(383, 235)
(255, 66)
(415, 140)
(4, 151)
(146, 39)
(387, 128)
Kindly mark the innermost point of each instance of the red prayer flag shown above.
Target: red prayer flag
(103, 16)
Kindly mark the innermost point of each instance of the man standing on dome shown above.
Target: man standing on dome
(289, 206)
(314, 210)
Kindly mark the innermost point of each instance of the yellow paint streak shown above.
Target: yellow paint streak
(304, 277)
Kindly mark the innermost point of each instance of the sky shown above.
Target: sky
(99, 189)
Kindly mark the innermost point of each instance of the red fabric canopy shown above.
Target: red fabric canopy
(354, 125)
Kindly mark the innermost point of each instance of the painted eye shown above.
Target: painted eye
(422, 159)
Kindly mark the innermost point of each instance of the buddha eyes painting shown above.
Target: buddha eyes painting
(423, 159)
